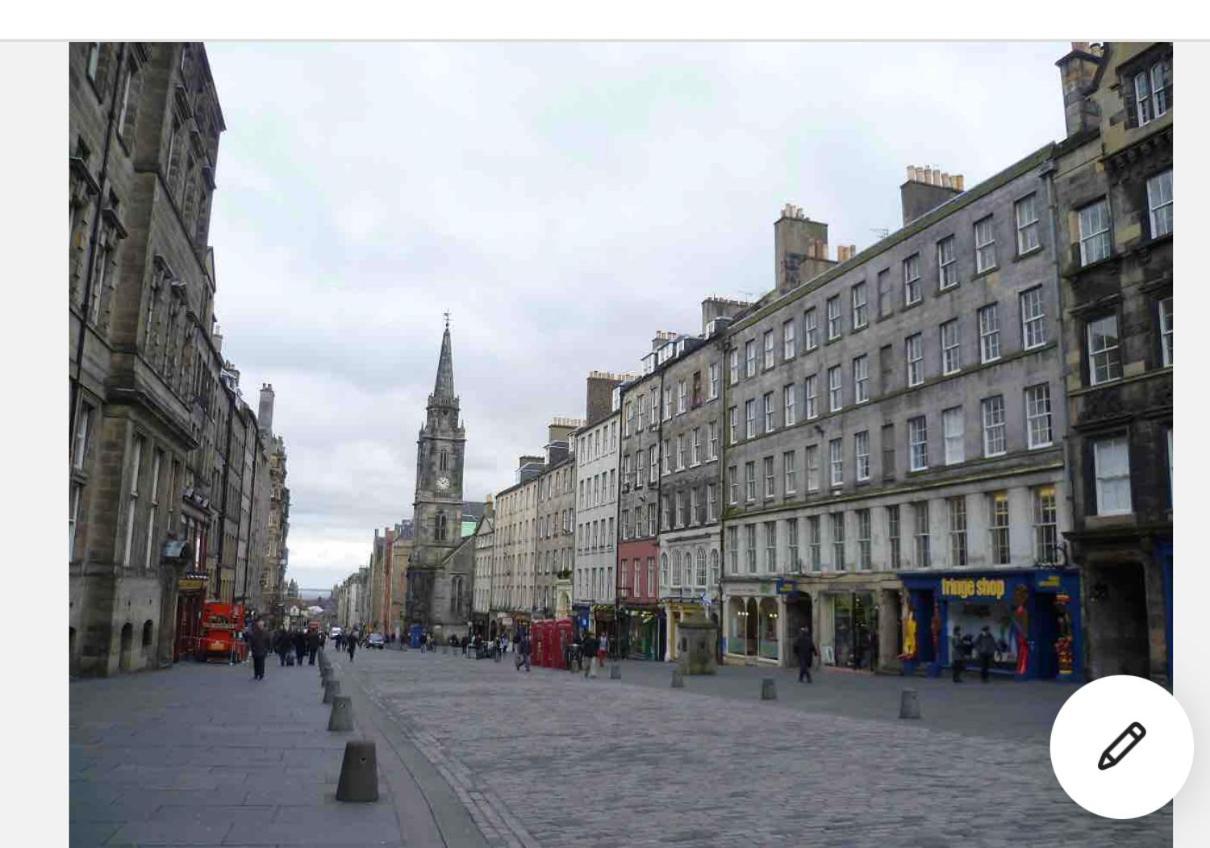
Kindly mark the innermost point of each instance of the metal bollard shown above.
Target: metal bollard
(331, 690)
(358, 773)
(678, 679)
(909, 704)
(768, 689)
(341, 718)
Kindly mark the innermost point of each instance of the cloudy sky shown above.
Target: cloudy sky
(563, 202)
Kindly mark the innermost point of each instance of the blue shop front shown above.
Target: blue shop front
(1034, 615)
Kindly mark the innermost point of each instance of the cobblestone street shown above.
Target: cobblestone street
(560, 765)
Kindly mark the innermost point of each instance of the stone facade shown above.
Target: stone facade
(554, 539)
(1113, 193)
(596, 509)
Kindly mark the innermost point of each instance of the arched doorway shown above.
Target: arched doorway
(736, 626)
(126, 647)
(767, 645)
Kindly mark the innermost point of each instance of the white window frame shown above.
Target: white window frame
(733, 484)
(834, 318)
(788, 404)
(750, 418)
(989, 332)
(788, 348)
(750, 481)
(911, 280)
(750, 358)
(953, 432)
(918, 443)
(1027, 227)
(861, 455)
(858, 303)
(1039, 426)
(1108, 354)
(770, 413)
(711, 441)
(861, 379)
(789, 463)
(811, 465)
(1150, 99)
(835, 389)
(770, 469)
(810, 319)
(836, 463)
(1118, 474)
(951, 349)
(734, 366)
(995, 433)
(682, 397)
(1159, 203)
(838, 541)
(809, 397)
(1033, 318)
(714, 380)
(947, 262)
(1095, 238)
(915, 359)
(1166, 336)
(985, 245)
(770, 357)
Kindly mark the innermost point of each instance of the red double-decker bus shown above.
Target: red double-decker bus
(221, 624)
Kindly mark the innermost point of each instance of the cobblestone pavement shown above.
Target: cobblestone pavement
(203, 755)
(551, 759)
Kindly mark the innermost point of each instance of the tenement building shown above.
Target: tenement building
(893, 465)
(513, 550)
(554, 540)
(1113, 195)
(596, 448)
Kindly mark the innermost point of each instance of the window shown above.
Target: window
(1166, 330)
(153, 502)
(810, 331)
(1046, 525)
(750, 418)
(915, 359)
(787, 394)
(993, 426)
(733, 485)
(836, 462)
(750, 481)
(985, 245)
(918, 445)
(1111, 460)
(860, 317)
(957, 516)
(711, 501)
(734, 367)
(834, 318)
(1037, 415)
(682, 509)
(838, 562)
(861, 454)
(732, 550)
(1159, 201)
(675, 578)
(947, 263)
(714, 381)
(769, 360)
(1104, 358)
(998, 524)
(771, 547)
(750, 538)
(951, 354)
(920, 513)
(667, 403)
(792, 561)
(733, 424)
(682, 396)
(653, 464)
(712, 440)
(750, 358)
(83, 427)
(864, 558)
(811, 461)
(789, 464)
(1026, 213)
(136, 461)
(787, 339)
(888, 451)
(770, 423)
(951, 426)
(884, 293)
(892, 523)
(73, 516)
(861, 379)
(651, 517)
(695, 449)
(810, 409)
(682, 453)
(835, 389)
(94, 59)
(1152, 92)
(1033, 319)
(668, 456)
(911, 279)
(701, 568)
(1094, 232)
(642, 411)
(813, 542)
(770, 478)
(989, 333)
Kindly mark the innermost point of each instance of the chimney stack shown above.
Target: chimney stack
(800, 248)
(926, 189)
(1077, 70)
(265, 415)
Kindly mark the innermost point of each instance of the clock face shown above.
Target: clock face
(443, 483)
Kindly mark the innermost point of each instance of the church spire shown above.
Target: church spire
(443, 391)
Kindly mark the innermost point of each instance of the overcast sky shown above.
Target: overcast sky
(563, 202)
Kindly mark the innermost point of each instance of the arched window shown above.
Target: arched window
(443, 460)
(147, 628)
(701, 567)
(440, 529)
(676, 568)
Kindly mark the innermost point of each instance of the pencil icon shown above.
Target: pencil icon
(1121, 746)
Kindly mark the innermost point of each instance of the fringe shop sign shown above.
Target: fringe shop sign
(967, 587)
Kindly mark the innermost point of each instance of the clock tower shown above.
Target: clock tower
(438, 594)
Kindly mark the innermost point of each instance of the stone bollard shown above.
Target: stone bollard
(678, 679)
(909, 704)
(358, 773)
(331, 690)
(768, 689)
(341, 718)
(615, 672)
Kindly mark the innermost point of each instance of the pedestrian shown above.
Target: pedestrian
(259, 645)
(804, 647)
(602, 650)
(464, 644)
(591, 646)
(281, 644)
(957, 654)
(300, 646)
(312, 646)
(352, 644)
(985, 649)
(523, 649)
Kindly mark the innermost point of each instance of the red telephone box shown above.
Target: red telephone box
(541, 636)
(566, 631)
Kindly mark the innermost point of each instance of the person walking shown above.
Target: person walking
(258, 644)
(957, 654)
(281, 644)
(523, 649)
(804, 647)
(602, 650)
(300, 646)
(985, 649)
(312, 646)
(590, 647)
(351, 642)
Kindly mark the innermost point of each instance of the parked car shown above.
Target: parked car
(376, 641)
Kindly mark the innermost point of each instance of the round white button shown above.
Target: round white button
(1121, 747)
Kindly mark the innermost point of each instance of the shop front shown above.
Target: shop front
(849, 629)
(191, 597)
(1033, 614)
(753, 622)
(642, 628)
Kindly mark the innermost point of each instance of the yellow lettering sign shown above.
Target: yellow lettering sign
(968, 587)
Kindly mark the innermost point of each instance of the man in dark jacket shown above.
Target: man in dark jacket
(957, 654)
(985, 649)
(588, 649)
(351, 644)
(300, 646)
(804, 647)
(523, 649)
(312, 646)
(259, 645)
(281, 644)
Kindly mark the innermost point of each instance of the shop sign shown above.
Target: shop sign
(967, 587)
(190, 584)
(1048, 581)
(786, 586)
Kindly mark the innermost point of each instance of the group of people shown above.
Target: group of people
(287, 644)
(983, 647)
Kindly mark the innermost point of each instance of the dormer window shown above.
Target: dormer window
(1153, 92)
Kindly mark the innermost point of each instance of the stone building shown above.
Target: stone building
(596, 448)
(1113, 197)
(554, 537)
(401, 551)
(485, 542)
(894, 436)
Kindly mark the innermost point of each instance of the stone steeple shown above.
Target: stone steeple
(443, 390)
